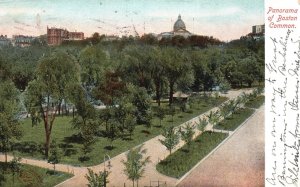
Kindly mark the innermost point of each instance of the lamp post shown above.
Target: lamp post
(106, 158)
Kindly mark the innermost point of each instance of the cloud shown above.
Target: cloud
(13, 11)
(226, 11)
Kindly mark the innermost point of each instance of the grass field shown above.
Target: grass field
(235, 120)
(31, 144)
(32, 176)
(181, 161)
(256, 103)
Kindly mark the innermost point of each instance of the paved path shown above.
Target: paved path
(238, 162)
(117, 177)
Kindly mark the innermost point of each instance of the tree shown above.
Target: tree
(250, 69)
(93, 62)
(130, 122)
(45, 94)
(187, 132)
(113, 131)
(160, 113)
(142, 102)
(9, 124)
(110, 89)
(213, 118)
(202, 124)
(172, 112)
(97, 180)
(15, 166)
(55, 155)
(158, 72)
(226, 109)
(85, 119)
(224, 86)
(135, 164)
(138, 63)
(88, 132)
(171, 138)
(176, 66)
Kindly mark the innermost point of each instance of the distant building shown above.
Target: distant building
(55, 36)
(258, 29)
(110, 38)
(22, 41)
(179, 29)
(258, 32)
(4, 41)
(76, 36)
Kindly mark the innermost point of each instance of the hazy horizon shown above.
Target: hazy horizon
(225, 20)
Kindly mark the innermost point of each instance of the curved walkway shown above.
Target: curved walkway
(117, 177)
(238, 162)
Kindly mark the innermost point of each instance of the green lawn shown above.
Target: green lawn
(256, 103)
(232, 122)
(181, 161)
(31, 144)
(32, 176)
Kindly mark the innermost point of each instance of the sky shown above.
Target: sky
(222, 19)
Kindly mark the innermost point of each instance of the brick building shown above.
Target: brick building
(55, 36)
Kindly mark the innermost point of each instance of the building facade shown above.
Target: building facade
(22, 41)
(4, 41)
(55, 36)
(179, 29)
(76, 36)
(258, 29)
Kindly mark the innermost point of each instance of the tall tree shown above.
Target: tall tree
(135, 164)
(93, 61)
(158, 72)
(9, 123)
(142, 102)
(45, 94)
(176, 66)
(85, 119)
(137, 67)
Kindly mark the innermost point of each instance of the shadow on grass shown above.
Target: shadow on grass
(83, 158)
(109, 147)
(28, 147)
(75, 138)
(68, 149)
(52, 172)
(146, 132)
(184, 150)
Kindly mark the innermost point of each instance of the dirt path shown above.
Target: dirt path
(238, 162)
(117, 177)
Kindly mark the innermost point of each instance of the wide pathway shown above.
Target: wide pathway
(238, 162)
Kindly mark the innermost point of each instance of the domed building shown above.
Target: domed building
(179, 28)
